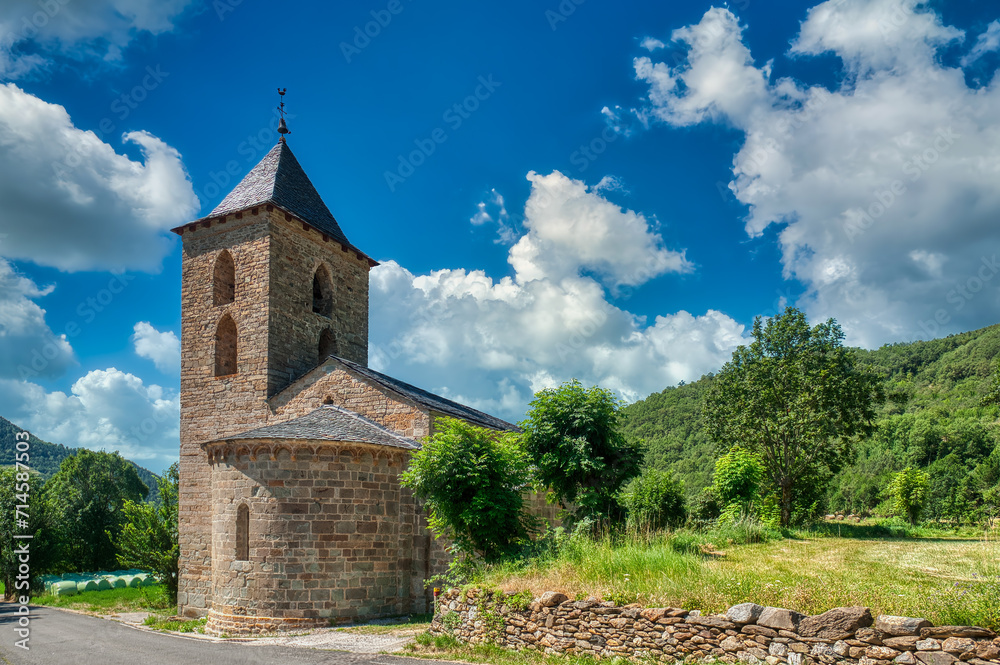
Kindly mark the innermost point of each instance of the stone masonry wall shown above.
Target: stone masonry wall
(332, 536)
(211, 406)
(277, 340)
(295, 330)
(338, 386)
(746, 633)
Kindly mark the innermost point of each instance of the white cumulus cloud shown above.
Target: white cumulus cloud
(572, 227)
(493, 343)
(884, 188)
(492, 210)
(987, 42)
(73, 203)
(105, 410)
(163, 348)
(92, 30)
(28, 347)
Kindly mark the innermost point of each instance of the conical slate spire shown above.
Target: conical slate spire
(279, 180)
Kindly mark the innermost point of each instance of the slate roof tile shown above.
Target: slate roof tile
(331, 423)
(429, 400)
(279, 180)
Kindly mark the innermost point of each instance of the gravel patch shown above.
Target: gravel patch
(331, 638)
(134, 618)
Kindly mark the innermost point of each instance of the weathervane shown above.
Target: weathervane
(282, 127)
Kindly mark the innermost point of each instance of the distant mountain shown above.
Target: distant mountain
(932, 420)
(46, 457)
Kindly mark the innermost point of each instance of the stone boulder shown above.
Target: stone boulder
(654, 614)
(839, 623)
(552, 598)
(631, 611)
(744, 613)
(752, 629)
(906, 642)
(869, 635)
(881, 653)
(899, 626)
(779, 618)
(731, 644)
(958, 645)
(711, 622)
(942, 632)
(988, 651)
(935, 658)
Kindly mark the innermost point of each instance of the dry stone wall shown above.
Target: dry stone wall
(746, 633)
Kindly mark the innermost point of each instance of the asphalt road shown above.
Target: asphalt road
(66, 638)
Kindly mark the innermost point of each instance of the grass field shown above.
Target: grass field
(946, 578)
(111, 601)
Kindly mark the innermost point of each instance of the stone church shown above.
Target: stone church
(291, 510)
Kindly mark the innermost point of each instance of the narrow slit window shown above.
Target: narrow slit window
(243, 533)
(225, 347)
(322, 292)
(224, 288)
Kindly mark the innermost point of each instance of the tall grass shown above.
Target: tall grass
(894, 569)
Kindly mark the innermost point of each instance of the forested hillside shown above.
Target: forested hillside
(932, 420)
(46, 457)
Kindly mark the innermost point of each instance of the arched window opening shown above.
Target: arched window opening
(243, 533)
(225, 347)
(224, 289)
(327, 345)
(322, 292)
(327, 400)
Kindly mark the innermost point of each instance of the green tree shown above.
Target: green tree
(984, 481)
(472, 480)
(796, 398)
(654, 500)
(908, 492)
(738, 477)
(24, 490)
(148, 539)
(88, 495)
(992, 396)
(706, 505)
(574, 438)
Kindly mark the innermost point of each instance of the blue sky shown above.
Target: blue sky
(620, 190)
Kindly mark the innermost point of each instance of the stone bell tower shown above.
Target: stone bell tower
(270, 287)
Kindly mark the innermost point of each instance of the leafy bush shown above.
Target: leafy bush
(908, 492)
(654, 500)
(574, 438)
(707, 506)
(738, 477)
(472, 479)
